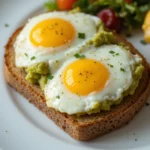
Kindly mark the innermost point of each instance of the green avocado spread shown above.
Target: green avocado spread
(103, 37)
(38, 73)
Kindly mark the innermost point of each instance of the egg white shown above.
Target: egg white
(119, 81)
(25, 50)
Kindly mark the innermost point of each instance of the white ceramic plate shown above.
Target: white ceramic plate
(23, 127)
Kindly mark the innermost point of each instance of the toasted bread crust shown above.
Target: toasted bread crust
(86, 127)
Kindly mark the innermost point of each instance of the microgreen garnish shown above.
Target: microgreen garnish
(26, 54)
(6, 25)
(81, 35)
(79, 56)
(121, 69)
(58, 96)
(143, 42)
(50, 77)
(33, 57)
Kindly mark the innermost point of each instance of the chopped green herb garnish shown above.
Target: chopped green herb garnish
(50, 5)
(50, 77)
(32, 58)
(58, 96)
(117, 54)
(26, 54)
(121, 69)
(143, 42)
(6, 25)
(81, 35)
(111, 52)
(110, 65)
(79, 56)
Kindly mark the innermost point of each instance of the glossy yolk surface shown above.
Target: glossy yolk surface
(85, 76)
(52, 33)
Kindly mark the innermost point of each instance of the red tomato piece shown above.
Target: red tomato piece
(65, 4)
(109, 19)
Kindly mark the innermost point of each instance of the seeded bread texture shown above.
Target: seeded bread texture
(85, 127)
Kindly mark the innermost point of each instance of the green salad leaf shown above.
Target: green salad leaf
(131, 14)
(82, 4)
(50, 5)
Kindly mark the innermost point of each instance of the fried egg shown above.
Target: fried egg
(48, 36)
(78, 84)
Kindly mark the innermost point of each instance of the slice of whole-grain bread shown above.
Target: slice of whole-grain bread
(86, 127)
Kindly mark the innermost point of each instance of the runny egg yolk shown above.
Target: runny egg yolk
(85, 76)
(52, 33)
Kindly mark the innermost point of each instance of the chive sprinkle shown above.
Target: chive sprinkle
(111, 52)
(26, 54)
(50, 77)
(58, 96)
(6, 25)
(79, 56)
(110, 65)
(32, 58)
(81, 35)
(143, 42)
(121, 69)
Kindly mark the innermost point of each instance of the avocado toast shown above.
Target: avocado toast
(85, 127)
